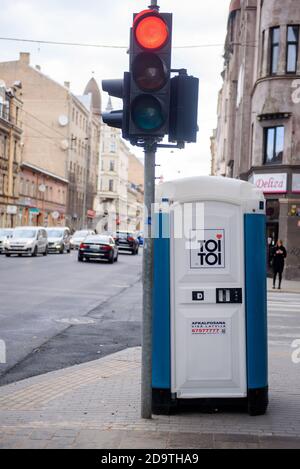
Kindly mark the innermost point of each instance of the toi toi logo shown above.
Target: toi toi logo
(296, 353)
(2, 352)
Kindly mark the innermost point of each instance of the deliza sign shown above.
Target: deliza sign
(210, 252)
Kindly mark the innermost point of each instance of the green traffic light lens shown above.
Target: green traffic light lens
(147, 113)
(149, 72)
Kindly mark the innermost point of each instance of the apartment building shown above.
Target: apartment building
(257, 136)
(60, 153)
(120, 188)
(10, 151)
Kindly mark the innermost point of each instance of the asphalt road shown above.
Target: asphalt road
(56, 312)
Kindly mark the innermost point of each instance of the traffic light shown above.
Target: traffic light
(184, 108)
(150, 69)
(118, 89)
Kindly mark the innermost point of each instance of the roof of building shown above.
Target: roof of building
(234, 5)
(93, 89)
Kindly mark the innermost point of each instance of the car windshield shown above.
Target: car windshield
(55, 233)
(6, 232)
(24, 234)
(80, 234)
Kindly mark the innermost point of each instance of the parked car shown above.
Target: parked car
(59, 240)
(79, 236)
(28, 240)
(98, 247)
(128, 242)
(5, 233)
(140, 237)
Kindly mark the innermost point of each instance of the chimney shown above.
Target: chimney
(25, 58)
(67, 84)
(38, 67)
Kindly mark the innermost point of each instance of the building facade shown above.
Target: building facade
(60, 145)
(120, 196)
(257, 136)
(10, 152)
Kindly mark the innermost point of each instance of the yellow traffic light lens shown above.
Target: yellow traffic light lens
(149, 72)
(152, 32)
(147, 113)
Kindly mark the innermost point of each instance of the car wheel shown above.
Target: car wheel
(117, 258)
(111, 259)
(7, 255)
(80, 259)
(35, 252)
(46, 252)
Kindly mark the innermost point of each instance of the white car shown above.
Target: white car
(80, 236)
(29, 240)
(5, 233)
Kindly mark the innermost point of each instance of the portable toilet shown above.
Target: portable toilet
(209, 296)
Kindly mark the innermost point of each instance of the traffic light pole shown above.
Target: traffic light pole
(146, 394)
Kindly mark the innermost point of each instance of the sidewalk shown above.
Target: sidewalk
(288, 286)
(97, 405)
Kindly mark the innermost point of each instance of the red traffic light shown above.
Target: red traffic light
(151, 32)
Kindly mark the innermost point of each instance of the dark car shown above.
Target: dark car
(128, 242)
(97, 248)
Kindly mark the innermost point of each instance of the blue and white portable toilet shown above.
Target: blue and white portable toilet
(210, 305)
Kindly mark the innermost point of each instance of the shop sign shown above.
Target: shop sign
(271, 183)
(25, 202)
(91, 214)
(55, 215)
(34, 211)
(296, 183)
(11, 210)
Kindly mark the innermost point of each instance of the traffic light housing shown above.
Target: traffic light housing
(118, 89)
(184, 109)
(150, 70)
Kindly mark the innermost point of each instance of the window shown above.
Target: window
(113, 147)
(292, 49)
(275, 37)
(15, 150)
(274, 145)
(111, 185)
(112, 166)
(262, 52)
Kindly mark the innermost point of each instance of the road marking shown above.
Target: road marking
(75, 321)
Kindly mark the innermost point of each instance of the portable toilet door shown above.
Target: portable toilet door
(207, 327)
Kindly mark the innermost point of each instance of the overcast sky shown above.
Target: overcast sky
(108, 22)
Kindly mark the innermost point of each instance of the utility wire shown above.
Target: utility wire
(110, 46)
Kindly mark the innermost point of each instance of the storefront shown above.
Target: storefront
(282, 192)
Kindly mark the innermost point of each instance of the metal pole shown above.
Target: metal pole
(146, 397)
(154, 5)
(84, 208)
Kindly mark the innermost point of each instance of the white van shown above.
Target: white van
(30, 240)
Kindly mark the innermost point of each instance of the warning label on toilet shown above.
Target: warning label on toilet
(208, 327)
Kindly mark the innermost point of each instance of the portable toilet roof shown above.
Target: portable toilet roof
(213, 188)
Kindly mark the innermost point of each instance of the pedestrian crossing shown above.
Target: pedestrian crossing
(283, 318)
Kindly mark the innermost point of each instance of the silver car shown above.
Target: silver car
(80, 236)
(29, 240)
(59, 240)
(5, 233)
